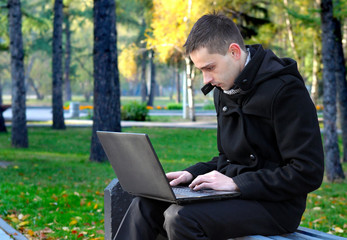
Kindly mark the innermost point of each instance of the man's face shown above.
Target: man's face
(219, 70)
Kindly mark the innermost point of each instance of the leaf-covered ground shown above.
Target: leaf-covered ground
(52, 191)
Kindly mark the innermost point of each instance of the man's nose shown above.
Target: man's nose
(207, 78)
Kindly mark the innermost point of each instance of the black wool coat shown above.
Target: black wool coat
(268, 137)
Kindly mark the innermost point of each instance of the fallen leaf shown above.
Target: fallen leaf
(66, 229)
(21, 224)
(31, 232)
(73, 222)
(318, 220)
(54, 197)
(47, 230)
(99, 193)
(338, 229)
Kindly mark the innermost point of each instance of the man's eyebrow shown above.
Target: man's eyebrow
(206, 66)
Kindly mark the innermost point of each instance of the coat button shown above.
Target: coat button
(245, 80)
(228, 161)
(225, 108)
(252, 157)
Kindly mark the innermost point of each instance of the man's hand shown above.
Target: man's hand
(214, 180)
(179, 177)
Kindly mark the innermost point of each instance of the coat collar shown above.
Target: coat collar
(248, 74)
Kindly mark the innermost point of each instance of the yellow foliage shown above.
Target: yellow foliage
(21, 224)
(127, 61)
(171, 24)
(73, 222)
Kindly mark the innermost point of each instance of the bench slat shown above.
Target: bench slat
(254, 237)
(301, 233)
(278, 238)
(318, 234)
(301, 236)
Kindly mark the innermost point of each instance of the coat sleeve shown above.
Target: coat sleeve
(299, 140)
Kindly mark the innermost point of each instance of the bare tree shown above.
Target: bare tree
(19, 127)
(333, 166)
(57, 70)
(143, 76)
(340, 74)
(67, 82)
(152, 78)
(106, 77)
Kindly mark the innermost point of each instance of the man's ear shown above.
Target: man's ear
(235, 51)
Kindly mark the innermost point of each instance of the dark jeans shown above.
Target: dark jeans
(219, 220)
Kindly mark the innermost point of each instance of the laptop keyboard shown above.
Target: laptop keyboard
(187, 192)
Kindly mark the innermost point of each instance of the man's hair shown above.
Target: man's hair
(215, 32)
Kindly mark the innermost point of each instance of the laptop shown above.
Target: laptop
(140, 173)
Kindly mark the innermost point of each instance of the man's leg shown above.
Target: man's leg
(143, 220)
(219, 220)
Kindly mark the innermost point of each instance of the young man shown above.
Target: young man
(269, 144)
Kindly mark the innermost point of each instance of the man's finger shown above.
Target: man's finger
(197, 181)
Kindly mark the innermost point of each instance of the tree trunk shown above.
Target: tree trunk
(290, 33)
(190, 90)
(19, 127)
(106, 77)
(28, 71)
(314, 87)
(332, 162)
(2, 120)
(340, 74)
(152, 82)
(67, 83)
(29, 81)
(39, 96)
(0, 91)
(178, 84)
(143, 77)
(57, 91)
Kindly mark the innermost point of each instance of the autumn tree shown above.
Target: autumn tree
(171, 23)
(19, 127)
(106, 79)
(57, 67)
(134, 16)
(332, 159)
(292, 32)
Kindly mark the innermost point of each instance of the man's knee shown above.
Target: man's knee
(182, 223)
(171, 216)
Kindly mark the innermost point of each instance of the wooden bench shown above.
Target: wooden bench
(116, 202)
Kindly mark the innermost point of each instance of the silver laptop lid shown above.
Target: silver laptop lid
(136, 164)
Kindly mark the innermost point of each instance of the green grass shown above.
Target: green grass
(52, 190)
(158, 101)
